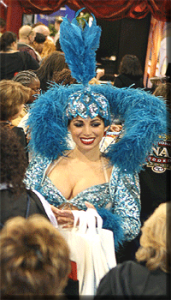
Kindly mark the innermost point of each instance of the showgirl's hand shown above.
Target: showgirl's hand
(89, 205)
(63, 217)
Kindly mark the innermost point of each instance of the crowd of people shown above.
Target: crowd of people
(57, 157)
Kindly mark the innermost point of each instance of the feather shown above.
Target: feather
(46, 126)
(145, 118)
(79, 46)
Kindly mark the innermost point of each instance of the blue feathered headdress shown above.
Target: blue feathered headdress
(79, 45)
(144, 115)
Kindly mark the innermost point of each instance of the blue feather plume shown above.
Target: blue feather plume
(79, 46)
(145, 118)
(47, 129)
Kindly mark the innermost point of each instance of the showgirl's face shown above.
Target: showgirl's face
(87, 133)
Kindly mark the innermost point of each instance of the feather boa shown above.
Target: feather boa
(79, 46)
(144, 115)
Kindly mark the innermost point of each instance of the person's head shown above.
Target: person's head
(154, 248)
(34, 258)
(87, 104)
(42, 29)
(8, 40)
(86, 132)
(26, 34)
(29, 79)
(39, 42)
(13, 96)
(53, 62)
(130, 65)
(12, 160)
(58, 21)
(163, 90)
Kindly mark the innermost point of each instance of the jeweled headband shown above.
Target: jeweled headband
(86, 104)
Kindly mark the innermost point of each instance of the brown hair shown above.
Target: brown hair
(154, 249)
(163, 90)
(12, 160)
(130, 65)
(63, 77)
(34, 257)
(12, 95)
(6, 39)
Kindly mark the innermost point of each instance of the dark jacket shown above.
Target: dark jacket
(12, 63)
(124, 80)
(23, 205)
(133, 280)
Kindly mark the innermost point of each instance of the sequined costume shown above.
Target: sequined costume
(117, 202)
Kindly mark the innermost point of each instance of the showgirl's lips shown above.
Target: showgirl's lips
(86, 141)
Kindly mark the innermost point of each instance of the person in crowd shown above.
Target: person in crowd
(34, 258)
(38, 43)
(69, 178)
(43, 29)
(53, 62)
(48, 48)
(13, 96)
(58, 21)
(155, 178)
(2, 26)
(29, 79)
(130, 72)
(26, 39)
(12, 60)
(149, 275)
(16, 200)
(163, 90)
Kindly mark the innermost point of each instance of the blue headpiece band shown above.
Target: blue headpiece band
(86, 104)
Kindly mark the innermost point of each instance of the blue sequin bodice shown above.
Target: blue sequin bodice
(98, 194)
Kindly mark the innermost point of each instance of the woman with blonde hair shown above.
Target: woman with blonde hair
(149, 276)
(13, 96)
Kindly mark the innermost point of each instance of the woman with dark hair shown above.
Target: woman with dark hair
(29, 79)
(16, 200)
(12, 60)
(53, 62)
(130, 72)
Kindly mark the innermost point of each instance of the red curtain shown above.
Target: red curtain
(104, 9)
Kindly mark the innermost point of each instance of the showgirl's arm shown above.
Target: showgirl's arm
(124, 217)
(35, 172)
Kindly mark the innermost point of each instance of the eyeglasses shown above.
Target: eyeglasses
(37, 90)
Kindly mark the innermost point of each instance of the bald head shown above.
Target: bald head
(42, 29)
(26, 34)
